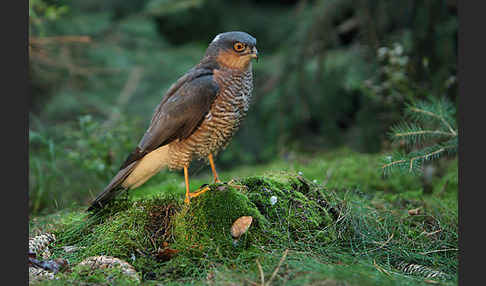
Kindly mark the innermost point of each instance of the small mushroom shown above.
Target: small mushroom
(240, 226)
(273, 200)
(414, 211)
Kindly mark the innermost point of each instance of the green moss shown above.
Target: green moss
(299, 207)
(137, 230)
(205, 224)
(334, 223)
(120, 230)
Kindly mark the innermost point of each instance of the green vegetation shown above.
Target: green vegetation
(433, 123)
(335, 229)
(331, 74)
(334, 78)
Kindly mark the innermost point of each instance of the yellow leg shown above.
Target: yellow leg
(190, 195)
(199, 192)
(186, 177)
(213, 168)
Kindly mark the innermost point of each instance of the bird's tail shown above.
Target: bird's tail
(113, 188)
(133, 175)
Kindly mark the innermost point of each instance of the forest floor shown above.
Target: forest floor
(325, 219)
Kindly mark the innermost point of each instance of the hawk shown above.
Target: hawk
(196, 118)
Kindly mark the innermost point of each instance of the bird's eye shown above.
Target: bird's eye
(239, 46)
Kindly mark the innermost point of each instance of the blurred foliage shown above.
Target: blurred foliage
(318, 210)
(72, 164)
(166, 7)
(428, 128)
(42, 11)
(94, 147)
(113, 60)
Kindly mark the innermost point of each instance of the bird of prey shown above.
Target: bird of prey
(196, 118)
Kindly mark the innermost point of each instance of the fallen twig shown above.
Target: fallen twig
(431, 233)
(439, 250)
(59, 39)
(382, 244)
(262, 277)
(380, 268)
(278, 267)
(251, 282)
(431, 281)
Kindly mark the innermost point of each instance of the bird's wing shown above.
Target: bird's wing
(179, 113)
(177, 116)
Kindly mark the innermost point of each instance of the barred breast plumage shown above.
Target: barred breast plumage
(220, 123)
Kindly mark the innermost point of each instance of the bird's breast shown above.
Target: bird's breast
(222, 120)
(228, 110)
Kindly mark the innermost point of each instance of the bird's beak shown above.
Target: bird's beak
(254, 53)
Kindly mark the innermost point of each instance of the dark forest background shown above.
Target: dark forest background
(330, 74)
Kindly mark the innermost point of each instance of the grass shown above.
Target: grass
(341, 222)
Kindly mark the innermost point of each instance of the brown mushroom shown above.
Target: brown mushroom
(240, 226)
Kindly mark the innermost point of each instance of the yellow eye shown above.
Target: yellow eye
(239, 46)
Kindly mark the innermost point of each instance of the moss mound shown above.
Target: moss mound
(297, 209)
(163, 238)
(205, 224)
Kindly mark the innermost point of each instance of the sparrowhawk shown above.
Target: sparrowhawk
(195, 119)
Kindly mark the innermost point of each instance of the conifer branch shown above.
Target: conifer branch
(393, 163)
(441, 118)
(422, 132)
(424, 157)
(414, 133)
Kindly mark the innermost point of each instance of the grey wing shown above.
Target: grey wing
(178, 115)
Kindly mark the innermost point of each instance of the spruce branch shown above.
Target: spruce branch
(440, 110)
(415, 134)
(440, 136)
(413, 161)
(441, 118)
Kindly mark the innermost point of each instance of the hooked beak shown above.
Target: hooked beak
(254, 53)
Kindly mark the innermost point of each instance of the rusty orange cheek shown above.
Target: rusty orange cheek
(232, 60)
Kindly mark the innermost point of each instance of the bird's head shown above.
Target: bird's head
(233, 50)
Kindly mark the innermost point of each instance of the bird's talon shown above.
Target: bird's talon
(199, 192)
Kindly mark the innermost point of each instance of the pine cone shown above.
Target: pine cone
(425, 271)
(38, 244)
(103, 262)
(36, 274)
